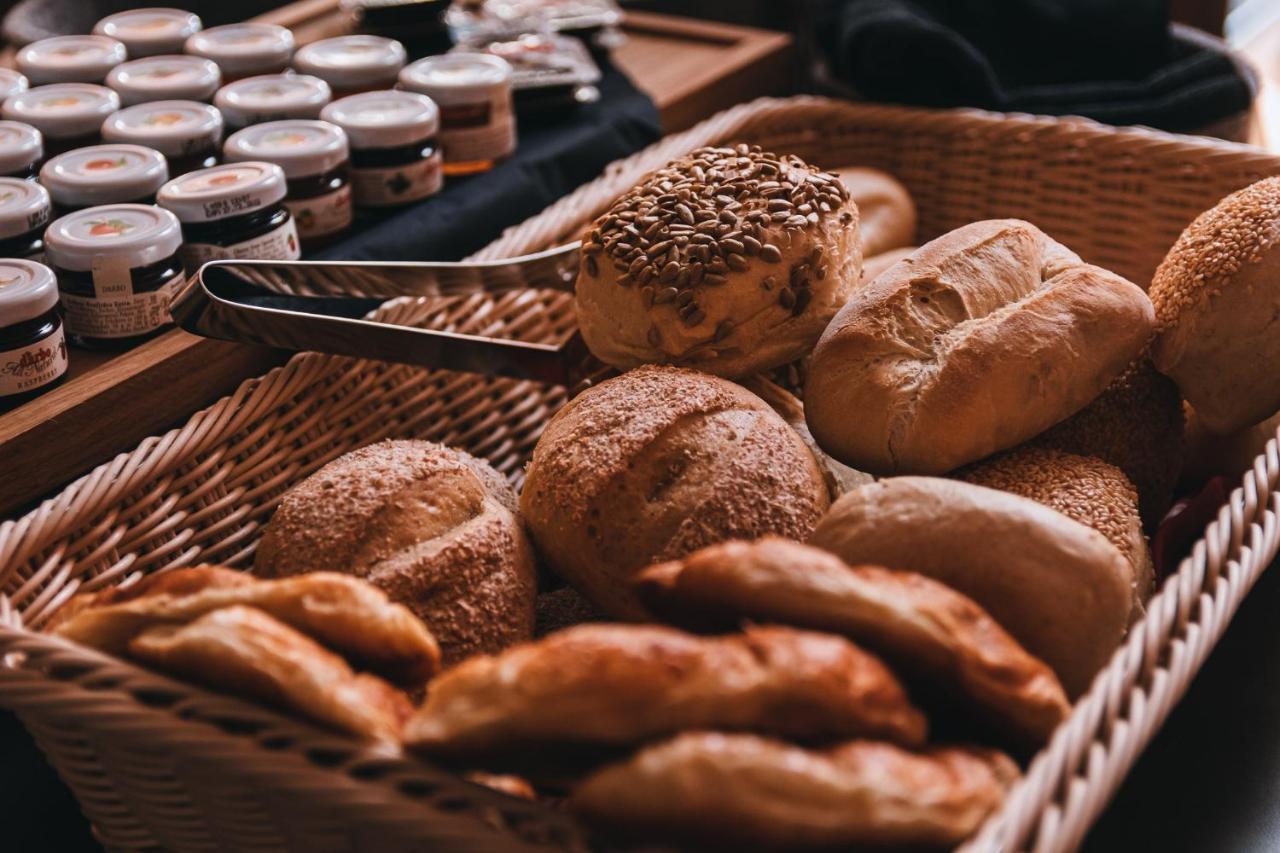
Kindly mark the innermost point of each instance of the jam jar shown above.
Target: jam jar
(243, 50)
(24, 212)
(148, 32)
(11, 82)
(33, 346)
(68, 115)
(103, 174)
(271, 97)
(351, 64)
(117, 268)
(21, 147)
(165, 78)
(477, 121)
(313, 155)
(70, 59)
(394, 156)
(187, 133)
(232, 211)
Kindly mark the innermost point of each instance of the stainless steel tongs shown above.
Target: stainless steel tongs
(321, 306)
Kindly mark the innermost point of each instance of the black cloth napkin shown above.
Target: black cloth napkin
(1117, 61)
(555, 155)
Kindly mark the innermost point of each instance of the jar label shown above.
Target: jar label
(467, 141)
(397, 184)
(322, 215)
(34, 365)
(280, 244)
(122, 316)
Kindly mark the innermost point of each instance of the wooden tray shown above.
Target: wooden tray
(690, 69)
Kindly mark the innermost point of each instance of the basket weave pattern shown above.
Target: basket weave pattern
(157, 763)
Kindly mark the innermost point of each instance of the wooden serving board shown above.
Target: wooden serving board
(110, 402)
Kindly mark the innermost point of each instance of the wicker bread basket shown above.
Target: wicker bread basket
(159, 764)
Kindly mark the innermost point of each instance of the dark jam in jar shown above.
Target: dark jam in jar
(232, 211)
(21, 148)
(33, 348)
(187, 133)
(24, 212)
(103, 174)
(68, 115)
(394, 156)
(117, 267)
(313, 155)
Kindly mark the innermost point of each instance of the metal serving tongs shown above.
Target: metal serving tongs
(320, 306)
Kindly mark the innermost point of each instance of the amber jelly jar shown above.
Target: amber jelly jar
(477, 119)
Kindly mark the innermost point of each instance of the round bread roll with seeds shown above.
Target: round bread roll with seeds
(730, 260)
(886, 212)
(1216, 303)
(657, 463)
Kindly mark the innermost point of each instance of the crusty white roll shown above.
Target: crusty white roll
(730, 260)
(1060, 588)
(886, 211)
(1217, 303)
(873, 265)
(977, 342)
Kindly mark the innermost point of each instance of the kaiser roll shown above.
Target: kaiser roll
(1217, 303)
(731, 260)
(657, 463)
(433, 527)
(977, 342)
(1060, 588)
(886, 213)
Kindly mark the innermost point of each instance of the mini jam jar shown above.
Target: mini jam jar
(175, 77)
(11, 82)
(394, 156)
(33, 346)
(21, 147)
(187, 133)
(313, 155)
(24, 212)
(243, 50)
(68, 115)
(117, 268)
(477, 122)
(148, 32)
(103, 174)
(70, 59)
(271, 97)
(232, 211)
(351, 64)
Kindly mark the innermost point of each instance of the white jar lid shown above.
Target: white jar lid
(70, 59)
(222, 191)
(164, 78)
(384, 119)
(63, 110)
(20, 146)
(173, 128)
(348, 62)
(137, 234)
(104, 174)
(27, 290)
(270, 97)
(298, 146)
(457, 77)
(11, 82)
(24, 206)
(149, 31)
(241, 49)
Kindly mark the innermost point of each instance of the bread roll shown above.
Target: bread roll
(742, 792)
(1137, 425)
(874, 265)
(943, 643)
(623, 684)
(1060, 588)
(1216, 302)
(982, 339)
(731, 260)
(1212, 455)
(434, 528)
(654, 464)
(1083, 489)
(886, 213)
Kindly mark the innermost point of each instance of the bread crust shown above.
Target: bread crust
(980, 340)
(886, 211)
(622, 684)
(1060, 588)
(938, 639)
